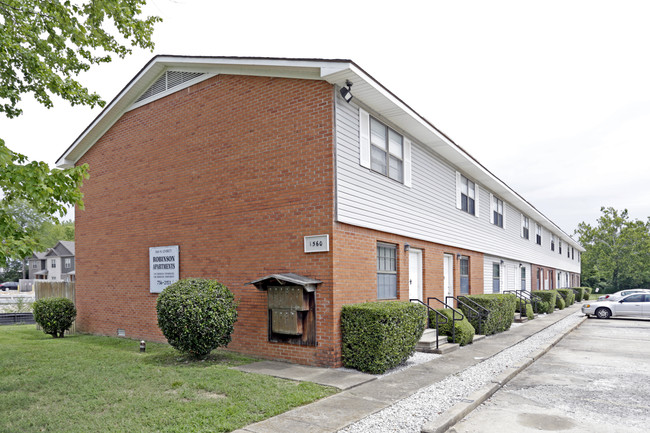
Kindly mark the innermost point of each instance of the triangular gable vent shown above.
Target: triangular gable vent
(168, 81)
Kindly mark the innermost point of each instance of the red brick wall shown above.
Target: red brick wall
(235, 170)
(355, 268)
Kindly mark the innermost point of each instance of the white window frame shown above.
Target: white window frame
(53, 263)
(494, 209)
(365, 149)
(552, 242)
(525, 227)
(460, 180)
(538, 234)
(67, 263)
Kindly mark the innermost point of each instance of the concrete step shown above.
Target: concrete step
(523, 319)
(427, 343)
(478, 337)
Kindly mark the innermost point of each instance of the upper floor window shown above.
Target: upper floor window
(53, 263)
(67, 263)
(34, 265)
(559, 244)
(538, 238)
(525, 227)
(552, 242)
(386, 271)
(497, 211)
(467, 195)
(573, 254)
(386, 151)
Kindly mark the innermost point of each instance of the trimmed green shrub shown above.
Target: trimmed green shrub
(529, 311)
(502, 311)
(587, 293)
(547, 304)
(377, 336)
(559, 302)
(197, 315)
(464, 330)
(54, 315)
(568, 295)
(579, 292)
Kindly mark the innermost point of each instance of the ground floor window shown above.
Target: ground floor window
(386, 271)
(523, 278)
(496, 278)
(464, 275)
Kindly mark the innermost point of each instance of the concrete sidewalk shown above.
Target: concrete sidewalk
(364, 397)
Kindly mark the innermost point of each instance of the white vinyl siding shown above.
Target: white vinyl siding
(428, 210)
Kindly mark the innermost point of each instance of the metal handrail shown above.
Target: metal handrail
(437, 315)
(480, 315)
(453, 316)
(525, 296)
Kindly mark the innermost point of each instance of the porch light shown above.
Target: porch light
(407, 247)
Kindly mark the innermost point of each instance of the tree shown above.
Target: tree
(45, 45)
(12, 270)
(50, 233)
(617, 251)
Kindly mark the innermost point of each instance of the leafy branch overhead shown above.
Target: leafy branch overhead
(45, 44)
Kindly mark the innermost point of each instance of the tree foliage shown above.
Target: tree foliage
(617, 255)
(45, 45)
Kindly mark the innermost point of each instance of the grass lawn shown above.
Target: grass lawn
(85, 383)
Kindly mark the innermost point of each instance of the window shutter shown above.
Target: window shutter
(458, 204)
(407, 162)
(364, 138)
(477, 193)
(491, 208)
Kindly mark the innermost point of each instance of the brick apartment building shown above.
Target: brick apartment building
(254, 167)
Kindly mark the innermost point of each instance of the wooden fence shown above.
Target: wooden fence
(55, 289)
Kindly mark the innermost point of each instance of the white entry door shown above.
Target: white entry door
(415, 274)
(448, 272)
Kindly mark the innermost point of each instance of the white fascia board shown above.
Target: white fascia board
(285, 68)
(109, 115)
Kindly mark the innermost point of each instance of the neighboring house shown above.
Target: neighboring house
(257, 170)
(37, 266)
(55, 264)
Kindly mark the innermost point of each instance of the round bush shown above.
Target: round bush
(197, 315)
(559, 303)
(54, 315)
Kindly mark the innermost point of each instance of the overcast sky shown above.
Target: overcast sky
(553, 97)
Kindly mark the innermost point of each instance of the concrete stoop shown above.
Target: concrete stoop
(427, 343)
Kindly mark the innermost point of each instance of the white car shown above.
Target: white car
(636, 304)
(618, 295)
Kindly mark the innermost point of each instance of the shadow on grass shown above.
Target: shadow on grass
(217, 357)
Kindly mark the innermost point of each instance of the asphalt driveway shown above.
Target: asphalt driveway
(597, 379)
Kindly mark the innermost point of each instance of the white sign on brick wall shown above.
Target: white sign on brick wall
(163, 267)
(317, 243)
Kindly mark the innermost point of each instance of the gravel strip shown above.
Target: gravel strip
(415, 359)
(409, 414)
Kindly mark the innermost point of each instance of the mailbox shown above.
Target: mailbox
(291, 307)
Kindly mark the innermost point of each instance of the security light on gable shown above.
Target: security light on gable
(347, 93)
